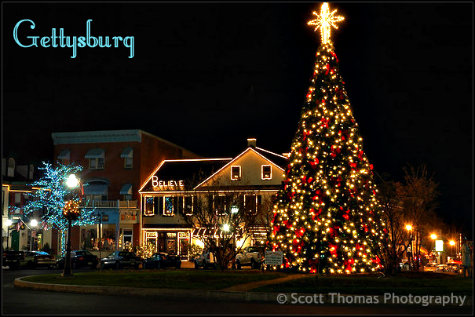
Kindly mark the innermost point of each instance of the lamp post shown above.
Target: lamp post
(409, 229)
(452, 244)
(9, 223)
(433, 236)
(70, 212)
(33, 224)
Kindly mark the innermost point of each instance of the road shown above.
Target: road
(24, 301)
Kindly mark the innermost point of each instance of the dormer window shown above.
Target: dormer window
(266, 172)
(236, 173)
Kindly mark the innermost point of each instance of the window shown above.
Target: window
(235, 173)
(127, 238)
(128, 156)
(17, 198)
(219, 203)
(149, 210)
(96, 163)
(251, 202)
(266, 172)
(128, 162)
(188, 208)
(169, 206)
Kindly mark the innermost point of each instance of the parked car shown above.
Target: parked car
(27, 259)
(441, 268)
(454, 268)
(16, 259)
(252, 256)
(162, 260)
(205, 260)
(121, 259)
(42, 259)
(430, 267)
(79, 258)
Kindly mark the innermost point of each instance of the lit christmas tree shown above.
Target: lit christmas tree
(327, 218)
(53, 195)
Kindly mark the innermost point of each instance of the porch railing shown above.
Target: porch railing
(110, 203)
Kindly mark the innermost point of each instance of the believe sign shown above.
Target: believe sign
(274, 258)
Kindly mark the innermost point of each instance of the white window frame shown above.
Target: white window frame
(240, 173)
(96, 160)
(262, 172)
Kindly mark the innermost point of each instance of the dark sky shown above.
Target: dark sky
(207, 76)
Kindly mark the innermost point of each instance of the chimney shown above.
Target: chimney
(251, 142)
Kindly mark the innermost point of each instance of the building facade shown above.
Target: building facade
(18, 230)
(170, 193)
(115, 163)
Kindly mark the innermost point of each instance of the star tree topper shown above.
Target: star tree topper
(325, 21)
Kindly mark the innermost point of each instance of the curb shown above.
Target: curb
(208, 295)
(136, 291)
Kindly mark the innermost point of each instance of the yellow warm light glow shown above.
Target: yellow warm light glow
(452, 242)
(325, 21)
(433, 236)
(408, 227)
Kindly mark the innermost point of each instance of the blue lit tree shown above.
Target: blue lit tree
(52, 196)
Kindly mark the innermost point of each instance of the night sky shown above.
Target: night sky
(207, 76)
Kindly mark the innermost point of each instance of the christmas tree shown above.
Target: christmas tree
(326, 217)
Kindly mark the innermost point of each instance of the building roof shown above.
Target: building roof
(106, 136)
(191, 171)
(275, 158)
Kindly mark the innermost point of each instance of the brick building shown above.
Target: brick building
(115, 163)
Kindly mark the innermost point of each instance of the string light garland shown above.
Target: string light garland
(52, 198)
(327, 217)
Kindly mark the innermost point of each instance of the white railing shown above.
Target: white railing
(110, 203)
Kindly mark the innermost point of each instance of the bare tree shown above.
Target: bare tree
(418, 195)
(398, 238)
(225, 220)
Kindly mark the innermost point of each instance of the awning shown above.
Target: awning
(95, 153)
(128, 152)
(64, 155)
(126, 189)
(95, 189)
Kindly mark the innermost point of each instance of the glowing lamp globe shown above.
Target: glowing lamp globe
(72, 181)
(34, 223)
(225, 227)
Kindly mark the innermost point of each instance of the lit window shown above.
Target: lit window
(266, 172)
(149, 210)
(235, 173)
(170, 205)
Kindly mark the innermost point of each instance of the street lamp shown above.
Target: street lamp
(411, 259)
(9, 222)
(225, 227)
(433, 236)
(33, 224)
(71, 212)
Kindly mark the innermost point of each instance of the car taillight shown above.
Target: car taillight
(81, 258)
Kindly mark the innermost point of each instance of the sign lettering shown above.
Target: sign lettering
(167, 185)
